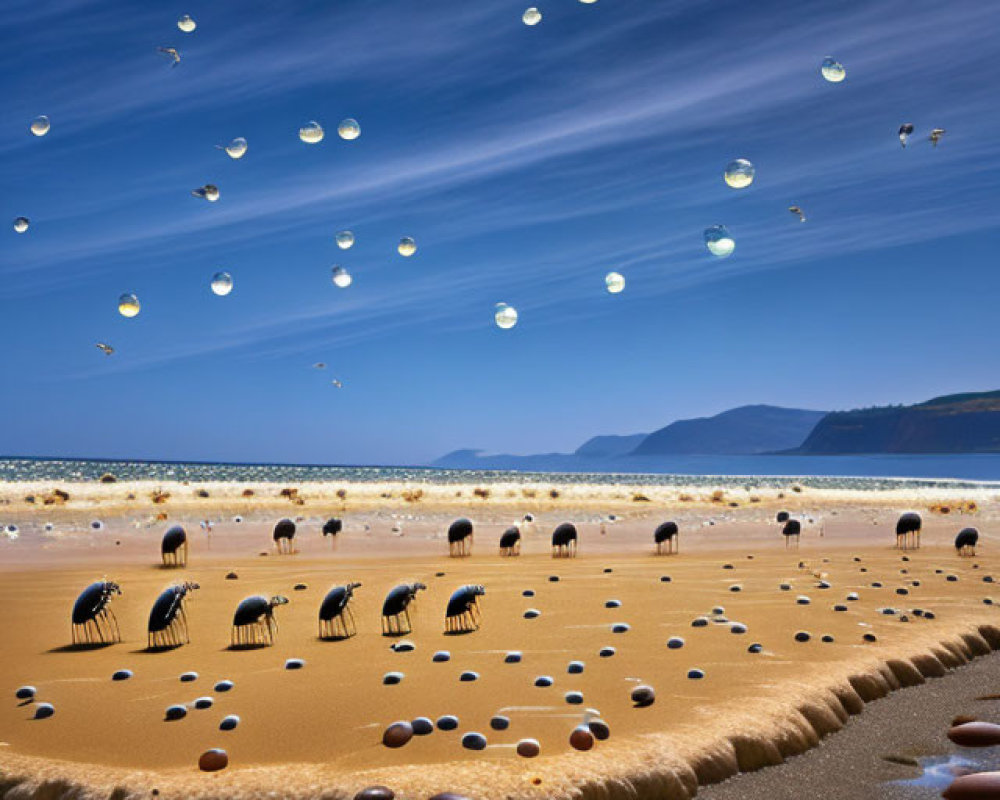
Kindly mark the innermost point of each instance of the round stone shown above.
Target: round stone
(736, 588)
(375, 793)
(25, 693)
(599, 728)
(755, 648)
(44, 710)
(447, 723)
(606, 652)
(612, 603)
(500, 722)
(528, 593)
(802, 636)
(513, 657)
(397, 734)
(575, 667)
(870, 637)
(422, 726)
(738, 627)
(664, 579)
(700, 622)
(553, 579)
(392, 678)
(975, 734)
(543, 681)
(675, 642)
(827, 638)
(203, 702)
(121, 675)
(213, 760)
(474, 741)
(643, 696)
(468, 676)
(574, 698)
(581, 738)
(294, 663)
(532, 613)
(403, 646)
(802, 600)
(840, 607)
(620, 627)
(785, 587)
(188, 677)
(229, 722)
(696, 674)
(441, 656)
(224, 686)
(528, 748)
(176, 712)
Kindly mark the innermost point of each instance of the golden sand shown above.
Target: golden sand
(317, 731)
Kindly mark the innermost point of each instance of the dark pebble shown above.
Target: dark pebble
(25, 693)
(675, 642)
(294, 663)
(229, 723)
(696, 674)
(468, 676)
(375, 793)
(397, 734)
(441, 656)
(422, 726)
(643, 696)
(756, 647)
(44, 710)
(500, 723)
(203, 702)
(224, 686)
(447, 723)
(513, 657)
(802, 636)
(474, 741)
(213, 760)
(575, 667)
(176, 712)
(606, 652)
(543, 681)
(122, 675)
(187, 677)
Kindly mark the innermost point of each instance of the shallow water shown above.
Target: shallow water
(868, 472)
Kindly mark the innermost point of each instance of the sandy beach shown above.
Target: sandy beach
(318, 731)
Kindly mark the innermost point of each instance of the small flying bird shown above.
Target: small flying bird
(797, 211)
(107, 349)
(905, 131)
(319, 365)
(936, 135)
(172, 54)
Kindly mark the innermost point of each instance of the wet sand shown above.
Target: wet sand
(317, 731)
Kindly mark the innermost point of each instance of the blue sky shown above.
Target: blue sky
(527, 163)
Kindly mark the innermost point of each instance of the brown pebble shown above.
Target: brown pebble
(961, 719)
(397, 734)
(375, 793)
(975, 734)
(978, 786)
(301, 587)
(231, 576)
(599, 728)
(528, 748)
(643, 696)
(581, 738)
(213, 760)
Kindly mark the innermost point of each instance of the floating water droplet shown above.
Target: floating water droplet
(186, 24)
(505, 316)
(311, 133)
(718, 241)
(531, 16)
(222, 283)
(237, 148)
(21, 224)
(407, 246)
(128, 305)
(833, 70)
(341, 278)
(40, 125)
(739, 173)
(615, 282)
(208, 192)
(345, 240)
(349, 129)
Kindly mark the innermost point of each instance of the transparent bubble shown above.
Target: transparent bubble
(342, 278)
(349, 129)
(532, 16)
(407, 246)
(345, 240)
(208, 192)
(311, 132)
(718, 241)
(128, 305)
(505, 316)
(236, 149)
(186, 24)
(21, 224)
(222, 283)
(739, 173)
(40, 126)
(833, 70)
(615, 282)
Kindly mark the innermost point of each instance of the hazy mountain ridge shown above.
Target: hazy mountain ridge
(959, 423)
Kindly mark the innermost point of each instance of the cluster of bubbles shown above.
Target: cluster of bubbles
(614, 282)
(222, 283)
(128, 305)
(311, 133)
(505, 316)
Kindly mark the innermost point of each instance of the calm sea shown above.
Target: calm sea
(862, 472)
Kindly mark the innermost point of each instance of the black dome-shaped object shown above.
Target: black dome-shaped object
(93, 600)
(910, 522)
(397, 600)
(665, 531)
(792, 528)
(165, 608)
(336, 601)
(332, 527)
(564, 534)
(173, 539)
(460, 529)
(462, 598)
(782, 516)
(510, 537)
(284, 529)
(967, 537)
(251, 609)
